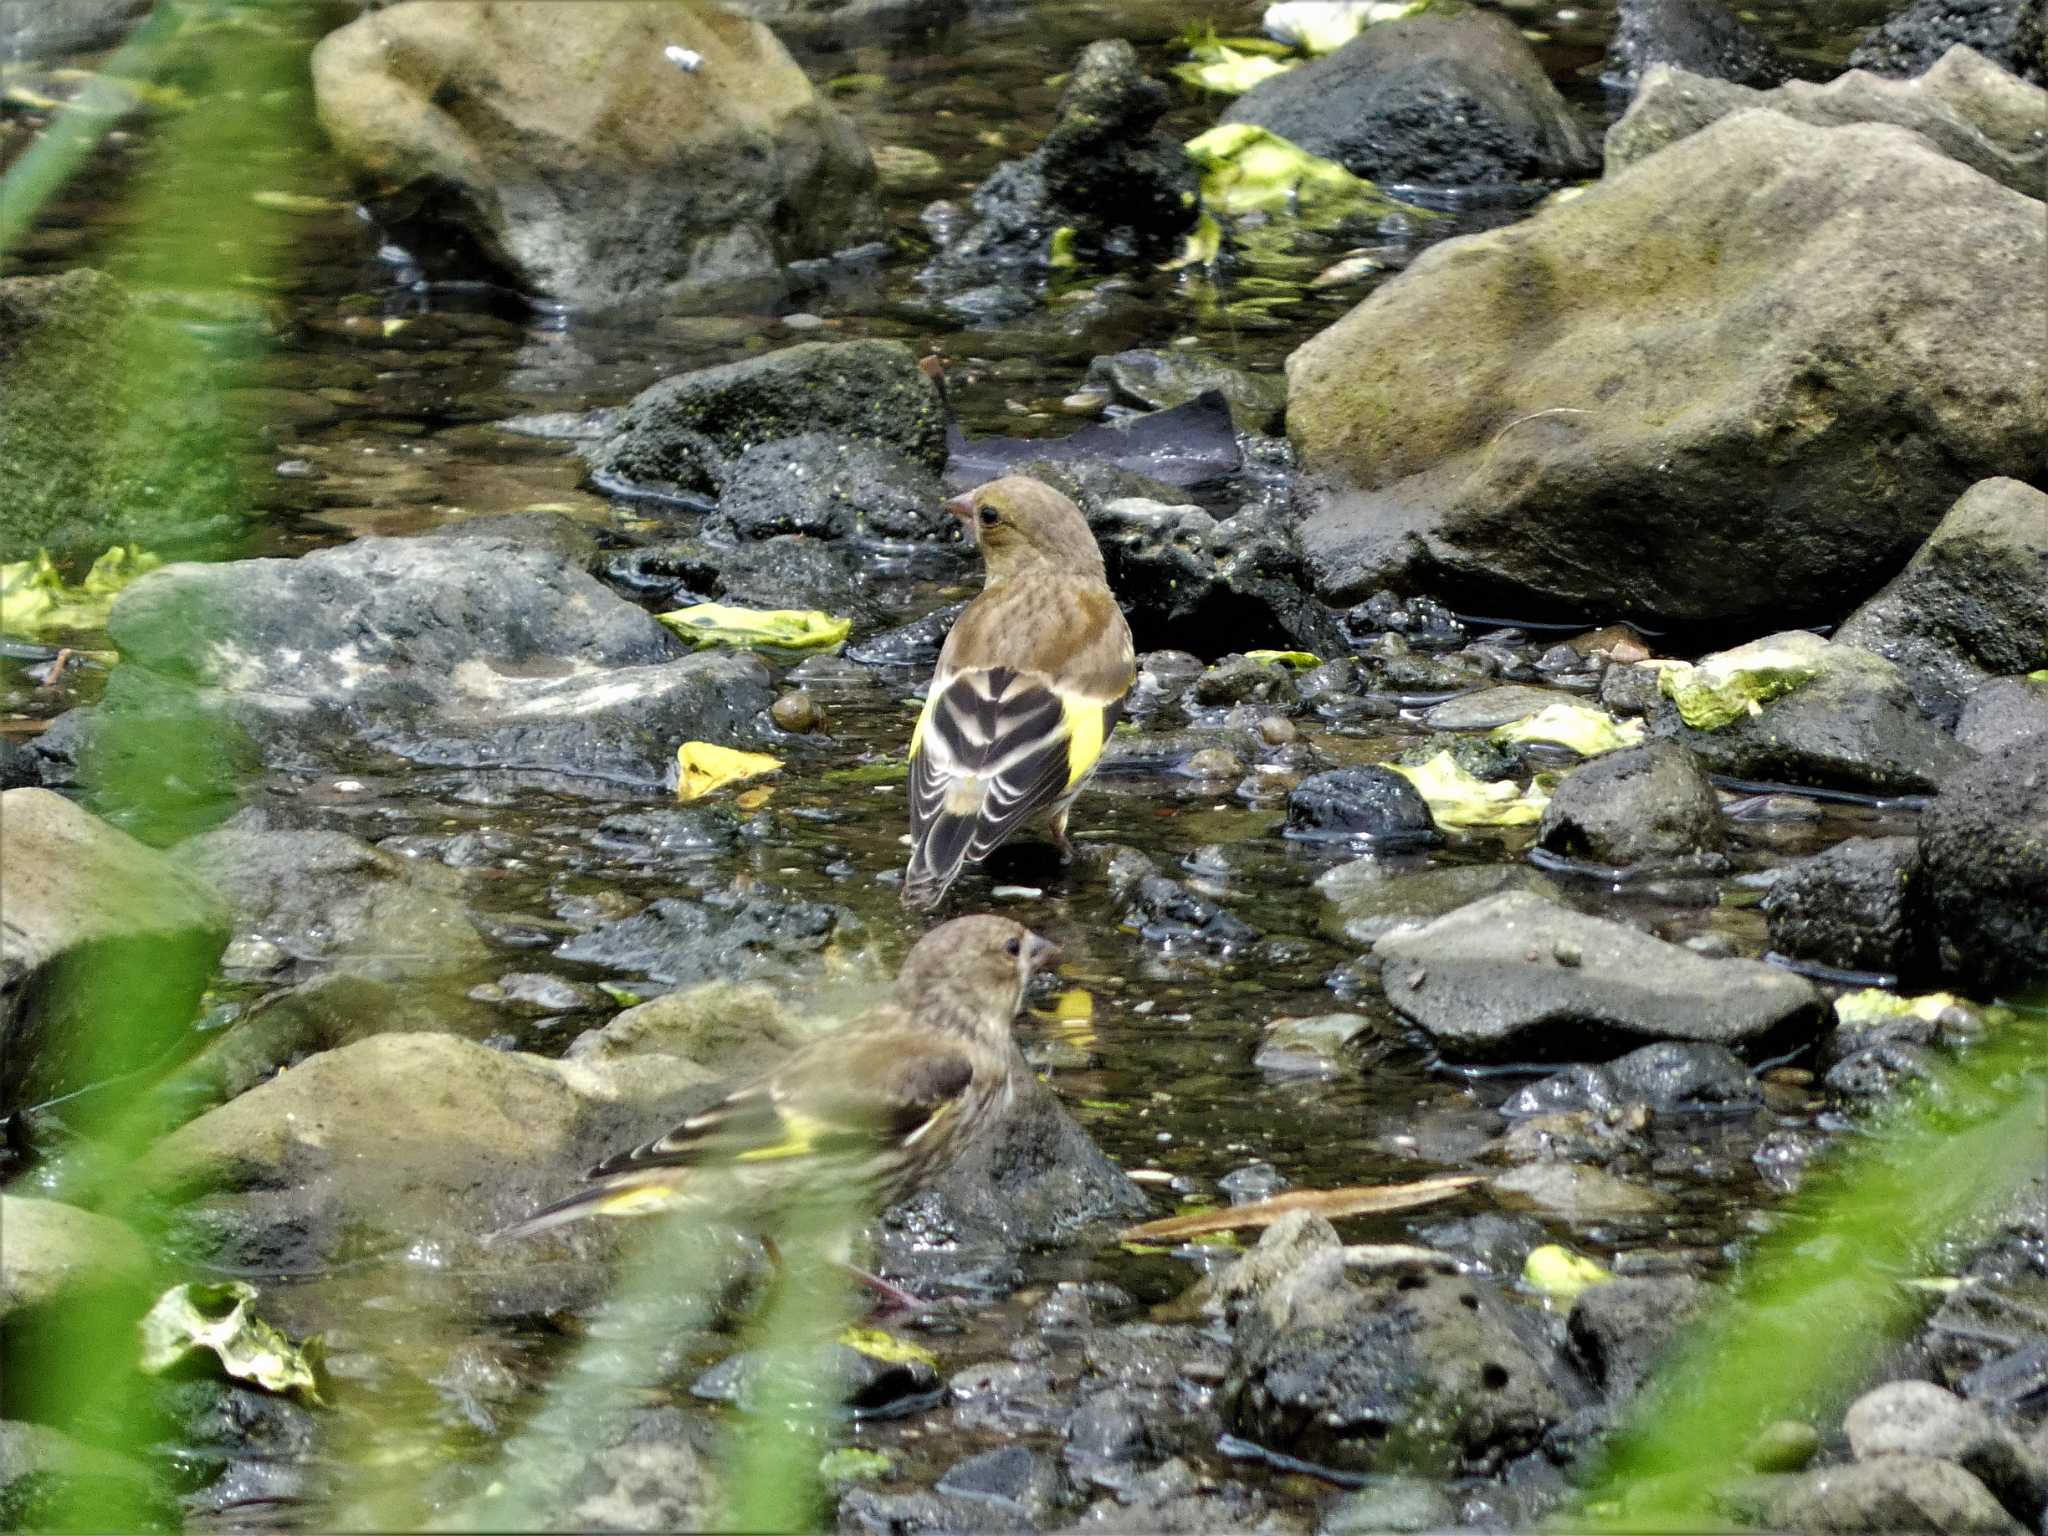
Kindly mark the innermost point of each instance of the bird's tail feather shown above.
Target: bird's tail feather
(625, 1195)
(936, 861)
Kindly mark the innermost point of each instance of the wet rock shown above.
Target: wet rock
(1875, 1072)
(1485, 708)
(30, 30)
(1616, 1330)
(1036, 1179)
(1359, 804)
(862, 1382)
(1973, 602)
(789, 571)
(1457, 99)
(1394, 1504)
(2010, 33)
(1635, 806)
(735, 1028)
(1985, 884)
(677, 940)
(645, 1484)
(2002, 713)
(644, 181)
(1697, 35)
(1854, 726)
(1486, 981)
(99, 452)
(467, 648)
(59, 1257)
(1420, 1372)
(1104, 172)
(1851, 906)
(682, 834)
(84, 907)
(1966, 106)
(1666, 1076)
(1012, 1478)
(827, 487)
(1765, 406)
(868, 1512)
(1917, 1418)
(1369, 898)
(1158, 381)
(1907, 1494)
(685, 435)
(420, 1138)
(1574, 1192)
(915, 644)
(1311, 1047)
(1165, 911)
(333, 899)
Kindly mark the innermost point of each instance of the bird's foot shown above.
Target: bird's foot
(891, 1298)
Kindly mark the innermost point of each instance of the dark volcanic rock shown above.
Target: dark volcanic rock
(1634, 806)
(2003, 713)
(678, 941)
(1851, 906)
(1448, 100)
(1517, 976)
(683, 436)
(1617, 1329)
(1125, 190)
(1369, 804)
(1855, 726)
(466, 648)
(829, 488)
(1972, 603)
(1158, 381)
(1984, 853)
(1701, 36)
(1417, 1372)
(2008, 32)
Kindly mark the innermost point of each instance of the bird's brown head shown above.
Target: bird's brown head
(972, 971)
(1017, 520)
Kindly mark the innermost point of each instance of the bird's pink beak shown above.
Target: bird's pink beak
(1040, 954)
(962, 507)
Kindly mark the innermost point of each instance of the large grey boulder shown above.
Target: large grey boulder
(105, 947)
(54, 1255)
(1917, 1418)
(1692, 391)
(1853, 906)
(1443, 99)
(2004, 712)
(1854, 725)
(477, 647)
(1973, 602)
(1984, 857)
(1966, 106)
(1909, 1495)
(1515, 976)
(1634, 806)
(598, 154)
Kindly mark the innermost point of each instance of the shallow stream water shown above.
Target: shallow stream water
(376, 428)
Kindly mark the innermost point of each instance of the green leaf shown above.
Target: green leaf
(1874, 1005)
(1226, 71)
(851, 1464)
(1730, 684)
(36, 600)
(1246, 169)
(221, 1320)
(785, 629)
(886, 1347)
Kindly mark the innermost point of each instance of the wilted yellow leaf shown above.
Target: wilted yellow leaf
(1332, 1204)
(877, 1345)
(704, 766)
(1561, 1274)
(782, 629)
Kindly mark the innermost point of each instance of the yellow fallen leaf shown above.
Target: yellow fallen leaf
(704, 766)
(1332, 1204)
(1587, 731)
(1301, 661)
(1458, 799)
(1557, 1272)
(35, 599)
(753, 799)
(877, 1345)
(785, 629)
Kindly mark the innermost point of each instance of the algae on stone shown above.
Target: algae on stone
(1723, 687)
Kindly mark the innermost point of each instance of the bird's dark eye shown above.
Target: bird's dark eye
(1014, 947)
(990, 517)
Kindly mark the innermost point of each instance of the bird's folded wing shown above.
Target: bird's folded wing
(845, 1094)
(1026, 694)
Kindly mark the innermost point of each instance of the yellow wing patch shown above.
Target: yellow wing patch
(1085, 720)
(917, 731)
(637, 1200)
(802, 1138)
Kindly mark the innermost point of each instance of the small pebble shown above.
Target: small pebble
(1213, 763)
(1566, 953)
(1784, 1446)
(801, 322)
(1278, 731)
(797, 711)
(1086, 402)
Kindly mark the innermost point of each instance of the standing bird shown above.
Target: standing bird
(1029, 685)
(881, 1105)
